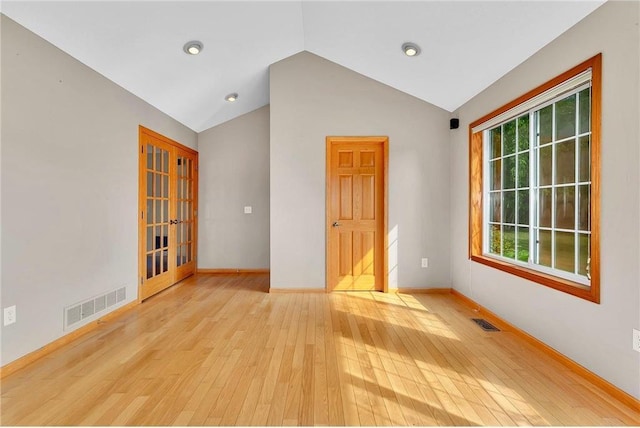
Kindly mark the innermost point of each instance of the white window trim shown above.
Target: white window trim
(549, 97)
(540, 101)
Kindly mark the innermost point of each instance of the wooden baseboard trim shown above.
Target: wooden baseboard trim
(58, 343)
(232, 270)
(421, 290)
(296, 290)
(611, 389)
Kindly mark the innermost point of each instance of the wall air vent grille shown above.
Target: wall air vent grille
(74, 314)
(111, 298)
(92, 308)
(121, 294)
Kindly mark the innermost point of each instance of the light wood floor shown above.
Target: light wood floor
(219, 350)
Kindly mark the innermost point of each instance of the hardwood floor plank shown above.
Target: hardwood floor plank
(221, 350)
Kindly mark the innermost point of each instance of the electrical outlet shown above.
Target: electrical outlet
(636, 340)
(9, 315)
(425, 263)
(248, 210)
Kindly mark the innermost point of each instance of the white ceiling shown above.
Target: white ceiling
(466, 45)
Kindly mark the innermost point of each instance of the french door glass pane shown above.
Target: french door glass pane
(149, 184)
(165, 237)
(150, 239)
(165, 211)
(165, 262)
(158, 211)
(158, 165)
(157, 191)
(165, 162)
(149, 156)
(149, 211)
(165, 186)
(150, 265)
(158, 237)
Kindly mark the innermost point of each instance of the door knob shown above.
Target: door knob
(335, 224)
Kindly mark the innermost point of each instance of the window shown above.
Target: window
(534, 189)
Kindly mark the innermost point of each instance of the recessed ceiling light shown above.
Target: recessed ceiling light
(193, 47)
(231, 97)
(411, 49)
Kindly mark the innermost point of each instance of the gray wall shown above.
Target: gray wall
(234, 173)
(69, 178)
(312, 98)
(596, 336)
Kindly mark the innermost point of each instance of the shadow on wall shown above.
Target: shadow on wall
(392, 254)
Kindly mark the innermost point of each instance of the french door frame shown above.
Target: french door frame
(178, 272)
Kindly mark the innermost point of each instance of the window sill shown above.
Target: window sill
(566, 286)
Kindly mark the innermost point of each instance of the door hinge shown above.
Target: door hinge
(142, 214)
(141, 280)
(142, 148)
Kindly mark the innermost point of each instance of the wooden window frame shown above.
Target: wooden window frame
(476, 187)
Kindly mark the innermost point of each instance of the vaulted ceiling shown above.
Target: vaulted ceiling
(465, 45)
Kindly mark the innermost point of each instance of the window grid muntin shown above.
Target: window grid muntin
(488, 184)
(553, 187)
(534, 171)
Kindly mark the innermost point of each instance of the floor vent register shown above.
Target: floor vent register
(485, 325)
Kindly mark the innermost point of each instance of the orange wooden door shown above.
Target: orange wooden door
(168, 208)
(356, 213)
(185, 219)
